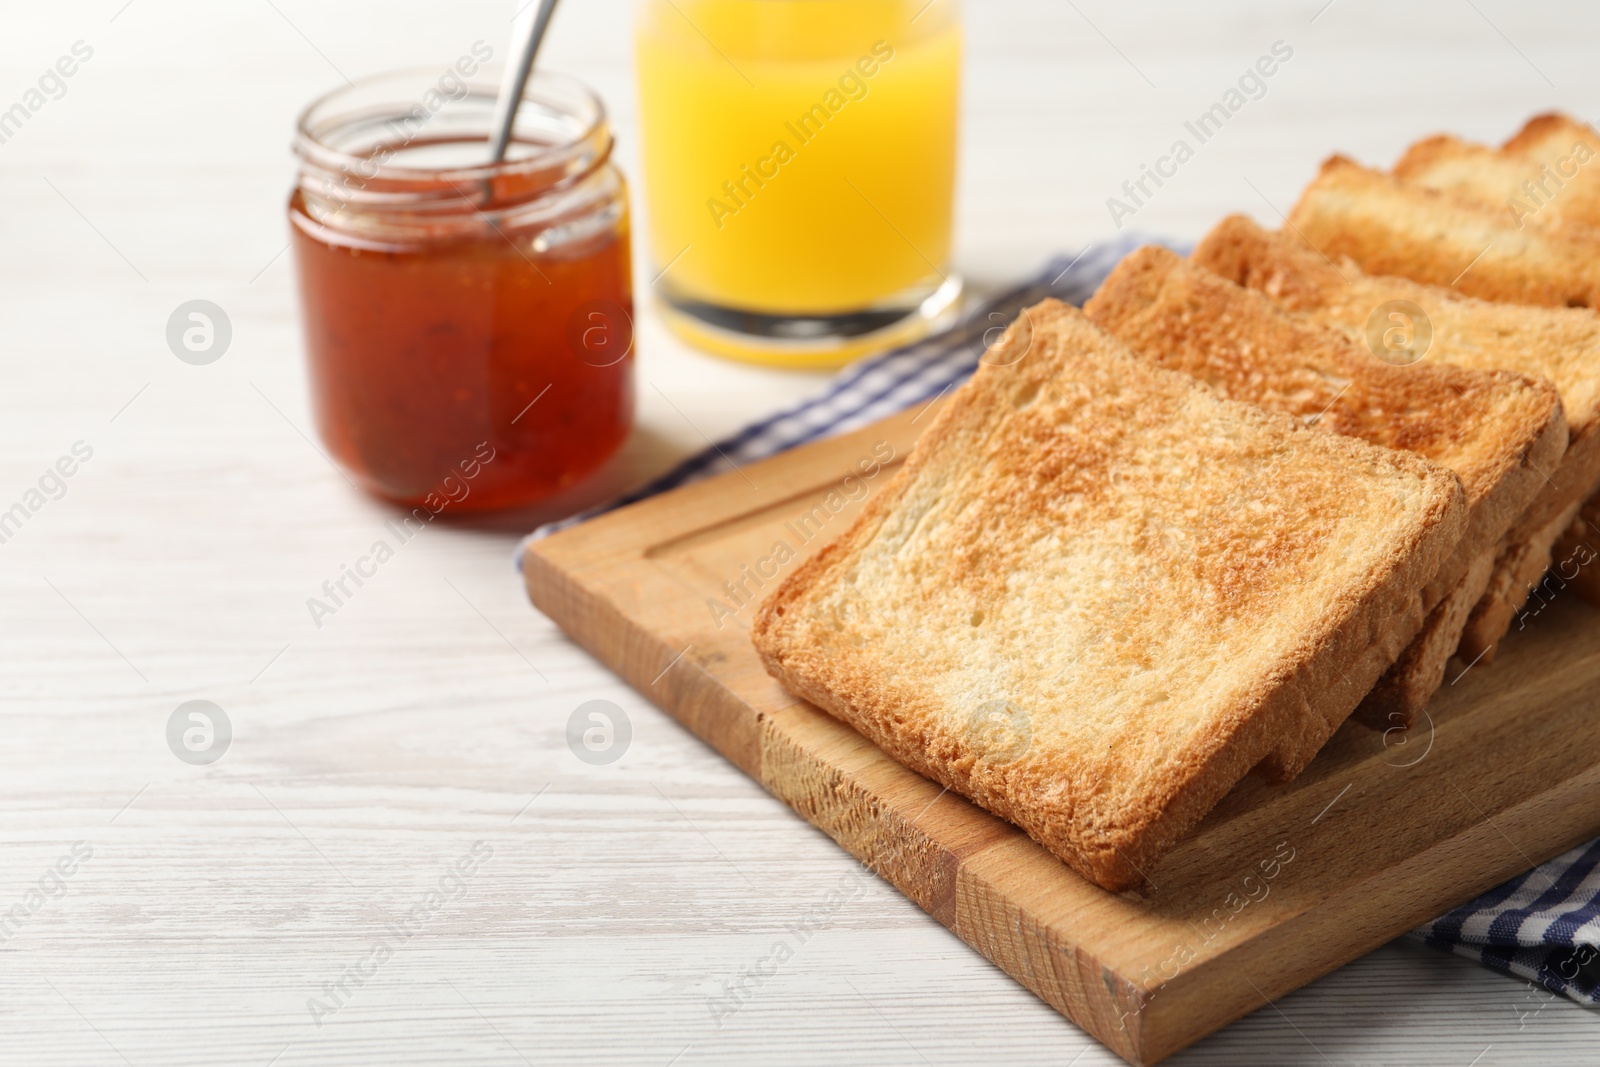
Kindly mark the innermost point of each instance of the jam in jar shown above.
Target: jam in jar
(468, 325)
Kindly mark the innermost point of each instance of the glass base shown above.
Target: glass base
(811, 341)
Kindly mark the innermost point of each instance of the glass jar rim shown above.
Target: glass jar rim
(584, 146)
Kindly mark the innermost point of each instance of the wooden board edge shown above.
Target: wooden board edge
(1251, 975)
(664, 675)
(684, 511)
(961, 883)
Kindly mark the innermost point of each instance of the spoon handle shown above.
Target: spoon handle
(526, 35)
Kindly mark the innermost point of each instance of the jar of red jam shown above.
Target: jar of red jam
(468, 324)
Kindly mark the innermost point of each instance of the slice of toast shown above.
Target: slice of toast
(1392, 227)
(1485, 425)
(1560, 344)
(1558, 141)
(1096, 594)
(1551, 136)
(1546, 182)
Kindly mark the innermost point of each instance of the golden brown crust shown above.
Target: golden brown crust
(1554, 139)
(1484, 425)
(1392, 227)
(1545, 176)
(1559, 344)
(1427, 155)
(1410, 683)
(1152, 587)
(1516, 573)
(1543, 130)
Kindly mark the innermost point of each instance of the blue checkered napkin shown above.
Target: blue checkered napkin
(1543, 926)
(879, 386)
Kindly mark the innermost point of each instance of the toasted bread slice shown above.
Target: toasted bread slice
(1484, 425)
(1576, 559)
(1517, 573)
(1096, 594)
(1547, 183)
(1392, 227)
(1552, 137)
(1560, 344)
(1557, 141)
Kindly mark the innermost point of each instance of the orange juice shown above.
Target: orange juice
(799, 155)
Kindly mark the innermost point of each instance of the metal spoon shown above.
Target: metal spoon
(527, 33)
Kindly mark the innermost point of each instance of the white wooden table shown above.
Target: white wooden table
(370, 755)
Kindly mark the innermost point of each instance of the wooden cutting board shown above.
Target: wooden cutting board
(1281, 884)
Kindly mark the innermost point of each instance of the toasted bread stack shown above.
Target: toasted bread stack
(1185, 533)
(1496, 429)
(1515, 225)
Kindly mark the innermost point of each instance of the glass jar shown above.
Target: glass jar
(468, 325)
(799, 171)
